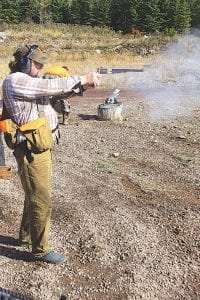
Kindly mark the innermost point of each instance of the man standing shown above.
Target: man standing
(25, 96)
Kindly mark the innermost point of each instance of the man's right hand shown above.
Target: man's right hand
(91, 79)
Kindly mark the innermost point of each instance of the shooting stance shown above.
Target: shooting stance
(32, 131)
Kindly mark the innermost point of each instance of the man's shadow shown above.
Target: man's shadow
(12, 252)
(7, 240)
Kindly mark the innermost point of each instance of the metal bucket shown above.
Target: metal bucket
(110, 112)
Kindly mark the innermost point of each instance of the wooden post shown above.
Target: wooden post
(110, 112)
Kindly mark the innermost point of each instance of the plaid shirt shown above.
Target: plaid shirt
(22, 94)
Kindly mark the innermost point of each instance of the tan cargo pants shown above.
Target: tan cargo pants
(35, 171)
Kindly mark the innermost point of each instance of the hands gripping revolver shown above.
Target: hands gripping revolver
(91, 79)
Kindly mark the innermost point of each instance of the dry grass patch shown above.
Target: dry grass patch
(81, 48)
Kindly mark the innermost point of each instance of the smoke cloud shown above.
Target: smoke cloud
(171, 83)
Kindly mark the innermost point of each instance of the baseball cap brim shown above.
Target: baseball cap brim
(39, 57)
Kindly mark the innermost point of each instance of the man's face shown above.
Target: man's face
(35, 69)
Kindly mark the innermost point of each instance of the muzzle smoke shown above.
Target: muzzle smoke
(171, 83)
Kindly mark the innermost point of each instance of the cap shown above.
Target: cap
(32, 52)
(38, 56)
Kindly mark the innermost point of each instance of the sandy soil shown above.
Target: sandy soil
(125, 209)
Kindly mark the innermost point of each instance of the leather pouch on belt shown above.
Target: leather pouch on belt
(38, 135)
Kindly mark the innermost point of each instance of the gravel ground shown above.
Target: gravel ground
(125, 209)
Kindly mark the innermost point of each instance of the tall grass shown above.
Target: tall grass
(81, 48)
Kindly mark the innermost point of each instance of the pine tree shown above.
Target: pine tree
(101, 13)
(60, 11)
(40, 10)
(165, 14)
(123, 15)
(149, 18)
(75, 12)
(182, 16)
(179, 15)
(86, 12)
(195, 12)
(9, 11)
(26, 11)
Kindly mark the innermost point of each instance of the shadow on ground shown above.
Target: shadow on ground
(12, 252)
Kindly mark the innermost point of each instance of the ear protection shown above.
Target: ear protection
(25, 62)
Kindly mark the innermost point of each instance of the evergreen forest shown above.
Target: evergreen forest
(168, 16)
